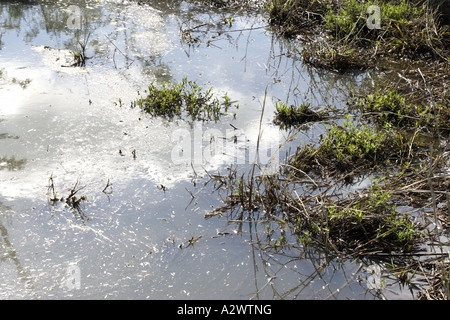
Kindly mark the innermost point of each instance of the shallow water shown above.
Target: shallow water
(146, 236)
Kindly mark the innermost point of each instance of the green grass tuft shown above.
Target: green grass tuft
(288, 116)
(175, 100)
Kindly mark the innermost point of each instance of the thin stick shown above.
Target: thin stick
(126, 57)
(430, 185)
(257, 147)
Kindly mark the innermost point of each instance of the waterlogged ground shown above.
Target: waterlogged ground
(142, 233)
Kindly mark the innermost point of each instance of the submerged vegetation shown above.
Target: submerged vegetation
(73, 200)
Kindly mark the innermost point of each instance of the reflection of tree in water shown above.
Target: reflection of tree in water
(9, 253)
(112, 32)
(12, 164)
(31, 19)
(110, 28)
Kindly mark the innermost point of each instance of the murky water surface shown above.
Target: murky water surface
(145, 235)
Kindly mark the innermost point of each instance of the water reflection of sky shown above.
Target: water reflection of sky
(66, 123)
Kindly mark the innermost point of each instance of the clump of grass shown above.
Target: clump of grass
(405, 28)
(390, 107)
(282, 12)
(349, 143)
(172, 100)
(72, 201)
(22, 83)
(79, 53)
(346, 146)
(341, 35)
(343, 22)
(371, 223)
(351, 21)
(289, 116)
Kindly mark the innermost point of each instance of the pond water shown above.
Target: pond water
(146, 236)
